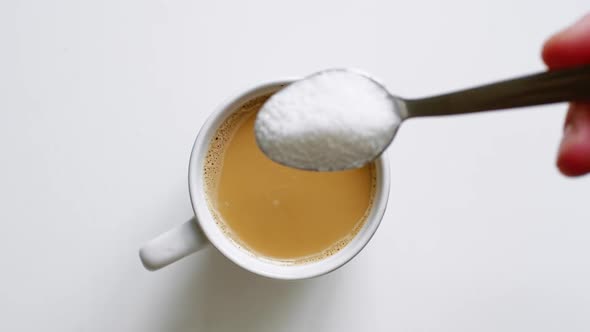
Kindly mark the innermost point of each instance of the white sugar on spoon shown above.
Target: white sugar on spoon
(340, 119)
(331, 120)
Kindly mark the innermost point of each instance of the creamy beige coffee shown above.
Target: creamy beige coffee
(275, 211)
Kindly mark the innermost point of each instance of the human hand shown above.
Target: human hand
(568, 48)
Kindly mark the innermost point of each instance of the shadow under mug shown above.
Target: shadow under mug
(202, 229)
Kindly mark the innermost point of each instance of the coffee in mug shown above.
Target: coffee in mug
(278, 212)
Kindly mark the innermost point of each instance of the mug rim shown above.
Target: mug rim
(243, 257)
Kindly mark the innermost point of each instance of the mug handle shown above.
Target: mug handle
(173, 245)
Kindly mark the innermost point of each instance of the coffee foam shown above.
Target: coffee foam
(212, 171)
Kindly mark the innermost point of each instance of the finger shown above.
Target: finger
(569, 47)
(574, 151)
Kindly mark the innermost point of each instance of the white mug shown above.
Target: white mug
(202, 229)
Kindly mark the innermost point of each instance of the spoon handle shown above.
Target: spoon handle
(572, 84)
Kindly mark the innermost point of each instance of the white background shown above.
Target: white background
(100, 102)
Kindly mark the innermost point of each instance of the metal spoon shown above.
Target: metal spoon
(555, 86)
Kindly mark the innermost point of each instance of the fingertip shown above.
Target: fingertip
(569, 165)
(574, 151)
(569, 47)
(551, 50)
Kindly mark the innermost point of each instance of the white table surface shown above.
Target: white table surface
(100, 102)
